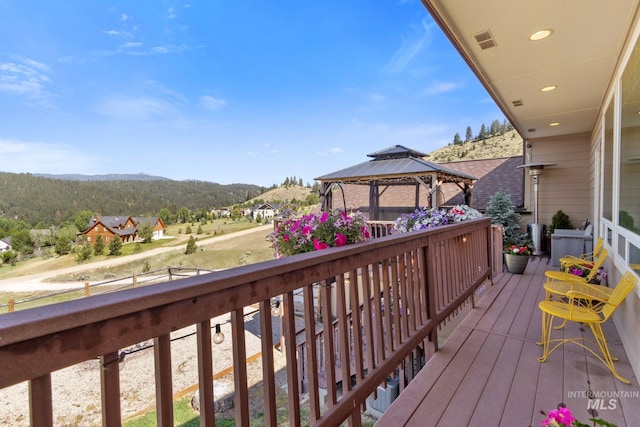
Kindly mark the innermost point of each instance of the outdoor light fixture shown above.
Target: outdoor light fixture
(275, 308)
(539, 35)
(218, 337)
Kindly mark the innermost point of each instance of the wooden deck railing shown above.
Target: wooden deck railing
(412, 281)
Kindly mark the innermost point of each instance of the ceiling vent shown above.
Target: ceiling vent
(531, 130)
(485, 40)
(517, 103)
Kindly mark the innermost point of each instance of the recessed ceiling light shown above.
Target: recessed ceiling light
(549, 88)
(554, 124)
(542, 34)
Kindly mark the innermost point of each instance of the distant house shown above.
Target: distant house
(126, 227)
(5, 244)
(266, 211)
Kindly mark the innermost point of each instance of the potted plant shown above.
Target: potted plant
(516, 246)
(560, 221)
(516, 255)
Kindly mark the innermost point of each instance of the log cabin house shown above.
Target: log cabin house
(124, 226)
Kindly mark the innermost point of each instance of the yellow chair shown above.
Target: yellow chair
(586, 258)
(576, 311)
(566, 276)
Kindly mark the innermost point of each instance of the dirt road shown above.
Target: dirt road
(37, 281)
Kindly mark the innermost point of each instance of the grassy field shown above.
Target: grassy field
(211, 255)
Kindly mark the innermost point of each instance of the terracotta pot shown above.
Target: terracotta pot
(516, 264)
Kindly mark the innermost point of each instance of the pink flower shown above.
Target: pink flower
(319, 245)
(560, 416)
(341, 239)
(576, 271)
(286, 238)
(324, 217)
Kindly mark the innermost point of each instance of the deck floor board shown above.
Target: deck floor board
(487, 372)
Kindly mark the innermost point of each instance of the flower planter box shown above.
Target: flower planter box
(516, 264)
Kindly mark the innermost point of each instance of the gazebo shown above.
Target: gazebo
(392, 168)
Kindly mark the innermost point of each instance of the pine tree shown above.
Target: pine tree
(191, 246)
(98, 245)
(115, 247)
(483, 132)
(501, 210)
(456, 139)
(469, 135)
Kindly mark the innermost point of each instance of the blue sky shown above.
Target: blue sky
(226, 91)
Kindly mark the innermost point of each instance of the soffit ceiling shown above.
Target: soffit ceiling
(579, 57)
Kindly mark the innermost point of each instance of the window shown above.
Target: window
(629, 200)
(607, 173)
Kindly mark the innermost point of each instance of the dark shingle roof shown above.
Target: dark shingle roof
(395, 163)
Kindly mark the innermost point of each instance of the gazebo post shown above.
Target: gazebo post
(327, 197)
(373, 200)
(468, 194)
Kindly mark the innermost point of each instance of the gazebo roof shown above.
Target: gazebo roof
(396, 164)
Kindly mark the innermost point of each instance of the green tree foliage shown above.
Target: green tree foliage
(166, 216)
(98, 245)
(483, 132)
(82, 220)
(115, 246)
(52, 201)
(63, 245)
(191, 246)
(145, 230)
(312, 199)
(184, 215)
(469, 134)
(21, 241)
(9, 257)
(495, 128)
(199, 229)
(188, 230)
(83, 250)
(502, 212)
(456, 139)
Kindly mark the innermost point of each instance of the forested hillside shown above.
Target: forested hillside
(51, 201)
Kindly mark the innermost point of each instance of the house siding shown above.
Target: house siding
(566, 186)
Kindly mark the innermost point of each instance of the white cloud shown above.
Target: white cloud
(125, 17)
(171, 13)
(412, 45)
(211, 103)
(116, 33)
(135, 108)
(129, 45)
(443, 87)
(27, 78)
(23, 156)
